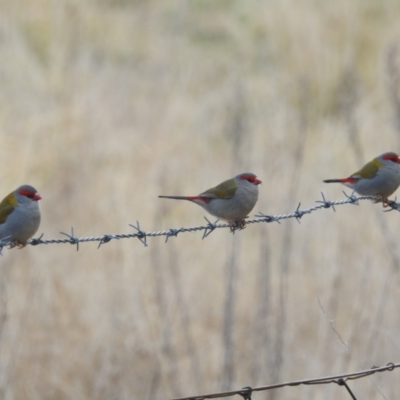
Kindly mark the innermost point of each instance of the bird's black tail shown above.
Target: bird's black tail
(332, 180)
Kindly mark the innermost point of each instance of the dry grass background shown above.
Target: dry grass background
(106, 104)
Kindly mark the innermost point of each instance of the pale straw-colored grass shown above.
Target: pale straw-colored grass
(105, 105)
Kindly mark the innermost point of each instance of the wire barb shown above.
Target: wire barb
(35, 242)
(141, 235)
(299, 213)
(104, 239)
(353, 199)
(172, 232)
(72, 238)
(326, 203)
(211, 226)
(267, 218)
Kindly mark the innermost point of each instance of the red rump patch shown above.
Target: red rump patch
(201, 198)
(348, 180)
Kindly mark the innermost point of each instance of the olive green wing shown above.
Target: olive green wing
(6, 208)
(224, 190)
(369, 170)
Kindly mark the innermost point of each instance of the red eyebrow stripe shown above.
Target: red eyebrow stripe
(250, 178)
(25, 192)
(29, 193)
(392, 157)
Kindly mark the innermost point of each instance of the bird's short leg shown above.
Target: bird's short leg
(385, 202)
(239, 224)
(18, 245)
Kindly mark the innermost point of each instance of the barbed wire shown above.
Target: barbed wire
(340, 380)
(209, 228)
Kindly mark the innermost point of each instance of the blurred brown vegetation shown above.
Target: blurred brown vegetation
(106, 104)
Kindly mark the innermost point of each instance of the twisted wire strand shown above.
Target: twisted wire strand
(208, 229)
(338, 379)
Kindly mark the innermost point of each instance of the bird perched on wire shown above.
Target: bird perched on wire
(380, 177)
(19, 216)
(231, 200)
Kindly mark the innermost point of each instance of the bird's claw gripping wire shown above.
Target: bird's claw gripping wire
(237, 225)
(393, 205)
